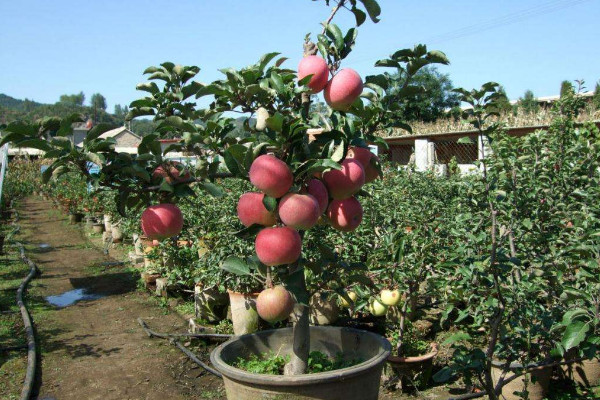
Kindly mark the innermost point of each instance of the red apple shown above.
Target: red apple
(251, 210)
(343, 89)
(300, 211)
(317, 189)
(278, 246)
(174, 174)
(271, 175)
(345, 215)
(317, 67)
(346, 182)
(274, 304)
(162, 221)
(364, 156)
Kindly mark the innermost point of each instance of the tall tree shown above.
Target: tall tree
(73, 99)
(434, 100)
(528, 103)
(98, 102)
(566, 87)
(121, 111)
(502, 104)
(597, 96)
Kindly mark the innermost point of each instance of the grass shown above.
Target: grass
(12, 363)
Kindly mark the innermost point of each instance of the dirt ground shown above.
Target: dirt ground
(95, 349)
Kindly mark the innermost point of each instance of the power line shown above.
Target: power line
(507, 19)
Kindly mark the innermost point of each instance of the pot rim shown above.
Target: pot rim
(237, 374)
(415, 359)
(516, 365)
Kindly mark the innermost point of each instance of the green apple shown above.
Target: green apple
(344, 303)
(390, 297)
(377, 309)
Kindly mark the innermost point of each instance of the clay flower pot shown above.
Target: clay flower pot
(243, 312)
(585, 372)
(536, 390)
(409, 367)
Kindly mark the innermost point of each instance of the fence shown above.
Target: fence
(3, 164)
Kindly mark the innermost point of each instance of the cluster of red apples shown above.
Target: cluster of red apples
(340, 91)
(163, 221)
(279, 243)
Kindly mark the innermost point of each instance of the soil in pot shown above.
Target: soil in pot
(243, 312)
(585, 372)
(536, 390)
(358, 382)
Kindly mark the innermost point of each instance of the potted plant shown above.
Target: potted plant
(406, 261)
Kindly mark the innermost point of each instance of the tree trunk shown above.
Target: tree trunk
(299, 358)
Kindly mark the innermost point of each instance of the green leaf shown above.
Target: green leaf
(275, 122)
(213, 189)
(266, 59)
(373, 9)
(359, 15)
(150, 87)
(443, 375)
(575, 334)
(236, 265)
(270, 203)
(277, 82)
(336, 35)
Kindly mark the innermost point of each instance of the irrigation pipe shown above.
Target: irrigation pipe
(28, 324)
(173, 340)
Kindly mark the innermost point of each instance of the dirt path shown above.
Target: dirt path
(94, 349)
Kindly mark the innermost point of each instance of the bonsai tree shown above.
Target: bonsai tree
(304, 180)
(411, 245)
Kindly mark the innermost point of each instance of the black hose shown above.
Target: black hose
(28, 324)
(173, 340)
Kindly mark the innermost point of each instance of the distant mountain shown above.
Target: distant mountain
(12, 109)
(17, 104)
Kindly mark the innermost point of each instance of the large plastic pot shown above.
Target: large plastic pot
(360, 382)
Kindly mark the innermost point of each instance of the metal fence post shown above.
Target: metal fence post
(3, 164)
(422, 154)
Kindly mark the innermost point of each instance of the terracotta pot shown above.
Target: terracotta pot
(536, 390)
(585, 372)
(107, 222)
(98, 228)
(150, 278)
(359, 382)
(117, 233)
(210, 304)
(243, 312)
(407, 368)
(138, 245)
(75, 218)
(323, 309)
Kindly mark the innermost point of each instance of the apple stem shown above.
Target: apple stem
(269, 281)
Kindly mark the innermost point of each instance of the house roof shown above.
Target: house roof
(116, 132)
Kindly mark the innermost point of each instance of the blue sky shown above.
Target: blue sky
(48, 48)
